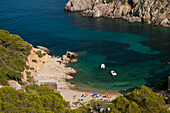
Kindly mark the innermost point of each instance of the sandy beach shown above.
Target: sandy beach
(76, 97)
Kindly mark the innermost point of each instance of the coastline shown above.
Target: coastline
(48, 72)
(149, 12)
(76, 98)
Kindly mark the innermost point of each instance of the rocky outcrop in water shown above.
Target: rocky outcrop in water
(148, 11)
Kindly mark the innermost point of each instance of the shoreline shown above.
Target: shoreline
(48, 72)
(151, 12)
(91, 90)
(101, 92)
(76, 98)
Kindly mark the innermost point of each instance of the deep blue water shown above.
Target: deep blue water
(136, 51)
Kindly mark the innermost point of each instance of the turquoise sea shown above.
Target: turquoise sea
(137, 52)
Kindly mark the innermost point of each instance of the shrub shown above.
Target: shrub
(107, 1)
(20, 82)
(162, 10)
(163, 84)
(28, 73)
(161, 1)
(168, 101)
(27, 67)
(40, 55)
(34, 60)
(31, 68)
(157, 7)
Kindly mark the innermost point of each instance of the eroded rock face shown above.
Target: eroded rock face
(78, 5)
(65, 59)
(44, 49)
(148, 11)
(134, 19)
(71, 54)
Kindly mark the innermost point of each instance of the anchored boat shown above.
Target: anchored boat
(113, 73)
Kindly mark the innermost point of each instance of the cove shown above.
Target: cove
(135, 51)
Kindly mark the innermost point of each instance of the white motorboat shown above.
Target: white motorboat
(102, 66)
(113, 73)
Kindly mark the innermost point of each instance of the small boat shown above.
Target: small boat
(113, 73)
(102, 66)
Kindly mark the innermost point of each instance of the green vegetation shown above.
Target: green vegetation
(157, 7)
(28, 73)
(14, 51)
(168, 101)
(44, 99)
(40, 55)
(31, 68)
(34, 60)
(167, 5)
(163, 84)
(107, 1)
(35, 100)
(161, 1)
(162, 10)
(142, 100)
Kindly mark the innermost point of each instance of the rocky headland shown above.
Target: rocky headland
(156, 12)
(47, 69)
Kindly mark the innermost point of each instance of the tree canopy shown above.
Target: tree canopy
(35, 100)
(13, 54)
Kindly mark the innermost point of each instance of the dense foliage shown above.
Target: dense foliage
(35, 100)
(13, 53)
(162, 10)
(142, 100)
(163, 84)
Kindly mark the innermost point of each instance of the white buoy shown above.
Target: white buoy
(113, 73)
(102, 66)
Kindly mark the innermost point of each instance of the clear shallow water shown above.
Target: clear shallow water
(136, 51)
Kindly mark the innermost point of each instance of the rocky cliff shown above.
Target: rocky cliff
(148, 11)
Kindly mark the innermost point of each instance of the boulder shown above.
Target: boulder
(15, 84)
(78, 5)
(65, 59)
(71, 54)
(44, 49)
(68, 77)
(97, 13)
(159, 18)
(87, 13)
(73, 60)
(68, 5)
(146, 17)
(164, 22)
(134, 19)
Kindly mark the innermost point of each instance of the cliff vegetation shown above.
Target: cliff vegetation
(13, 55)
